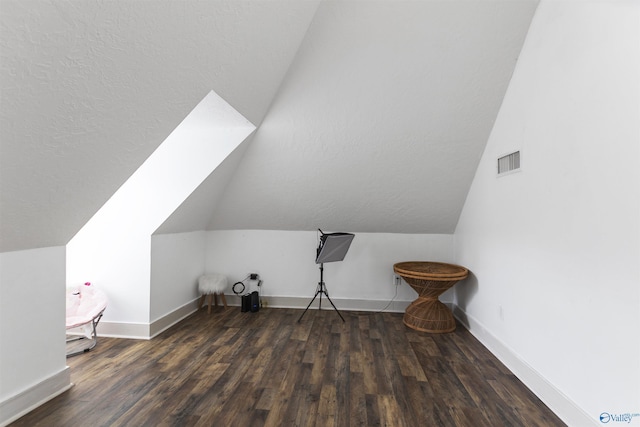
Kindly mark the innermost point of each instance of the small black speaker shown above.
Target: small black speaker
(255, 301)
(246, 303)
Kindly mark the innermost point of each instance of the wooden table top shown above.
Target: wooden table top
(428, 270)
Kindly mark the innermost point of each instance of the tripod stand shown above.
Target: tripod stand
(322, 289)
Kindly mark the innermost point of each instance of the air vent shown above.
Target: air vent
(509, 163)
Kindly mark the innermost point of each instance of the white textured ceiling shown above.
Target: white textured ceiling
(378, 125)
(89, 89)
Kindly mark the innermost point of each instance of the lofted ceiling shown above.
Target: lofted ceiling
(380, 122)
(372, 115)
(89, 89)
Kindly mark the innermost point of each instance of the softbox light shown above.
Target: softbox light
(333, 247)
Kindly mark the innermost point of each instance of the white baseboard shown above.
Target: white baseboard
(557, 401)
(130, 330)
(341, 303)
(168, 320)
(146, 331)
(16, 406)
(149, 330)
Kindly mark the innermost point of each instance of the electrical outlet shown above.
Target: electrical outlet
(397, 281)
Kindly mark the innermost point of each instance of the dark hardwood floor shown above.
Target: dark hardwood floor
(265, 369)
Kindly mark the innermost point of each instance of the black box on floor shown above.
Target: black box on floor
(255, 301)
(250, 302)
(246, 303)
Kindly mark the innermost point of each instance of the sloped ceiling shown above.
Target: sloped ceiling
(380, 122)
(374, 113)
(90, 89)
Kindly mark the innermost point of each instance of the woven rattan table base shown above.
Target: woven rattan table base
(429, 279)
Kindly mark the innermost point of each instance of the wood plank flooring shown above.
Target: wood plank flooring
(265, 369)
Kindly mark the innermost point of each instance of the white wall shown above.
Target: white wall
(177, 260)
(113, 250)
(32, 331)
(555, 249)
(285, 261)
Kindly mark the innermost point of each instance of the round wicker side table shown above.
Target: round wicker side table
(429, 279)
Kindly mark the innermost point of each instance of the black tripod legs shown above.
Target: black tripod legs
(334, 307)
(305, 310)
(321, 290)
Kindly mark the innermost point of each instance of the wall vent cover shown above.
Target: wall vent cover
(509, 163)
